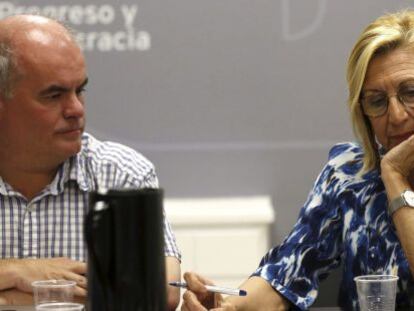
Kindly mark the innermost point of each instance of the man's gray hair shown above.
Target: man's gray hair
(8, 70)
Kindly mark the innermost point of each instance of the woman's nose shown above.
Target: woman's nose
(397, 112)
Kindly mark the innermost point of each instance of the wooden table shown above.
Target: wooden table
(31, 308)
(17, 308)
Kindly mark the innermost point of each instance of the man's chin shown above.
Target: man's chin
(68, 150)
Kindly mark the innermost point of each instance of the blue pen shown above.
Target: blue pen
(215, 289)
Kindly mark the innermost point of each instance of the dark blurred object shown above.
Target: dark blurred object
(126, 263)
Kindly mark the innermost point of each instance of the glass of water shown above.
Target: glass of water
(55, 295)
(376, 292)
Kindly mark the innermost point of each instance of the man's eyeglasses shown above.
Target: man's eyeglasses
(375, 103)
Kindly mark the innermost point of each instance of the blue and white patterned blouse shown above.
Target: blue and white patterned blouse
(344, 220)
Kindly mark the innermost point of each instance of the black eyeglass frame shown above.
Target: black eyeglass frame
(407, 99)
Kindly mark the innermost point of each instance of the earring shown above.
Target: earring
(380, 147)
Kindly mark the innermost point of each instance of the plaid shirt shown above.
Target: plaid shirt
(51, 225)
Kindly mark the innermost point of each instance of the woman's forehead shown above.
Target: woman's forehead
(390, 69)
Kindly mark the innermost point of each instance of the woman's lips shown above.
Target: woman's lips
(397, 139)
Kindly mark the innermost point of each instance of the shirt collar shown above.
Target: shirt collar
(5, 189)
(70, 171)
(73, 169)
(55, 187)
(78, 172)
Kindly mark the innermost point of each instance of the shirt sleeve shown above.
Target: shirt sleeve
(170, 246)
(113, 165)
(313, 247)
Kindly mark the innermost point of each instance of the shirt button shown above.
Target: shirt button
(30, 208)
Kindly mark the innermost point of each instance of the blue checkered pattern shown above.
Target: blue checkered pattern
(51, 225)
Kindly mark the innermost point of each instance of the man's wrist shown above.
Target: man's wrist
(9, 273)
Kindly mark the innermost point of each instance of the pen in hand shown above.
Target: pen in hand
(215, 289)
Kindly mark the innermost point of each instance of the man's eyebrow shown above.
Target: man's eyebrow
(84, 83)
(52, 89)
(61, 89)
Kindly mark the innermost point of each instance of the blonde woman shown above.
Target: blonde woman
(360, 209)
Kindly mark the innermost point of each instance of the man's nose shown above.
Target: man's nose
(74, 107)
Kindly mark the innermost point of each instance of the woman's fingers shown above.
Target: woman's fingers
(191, 302)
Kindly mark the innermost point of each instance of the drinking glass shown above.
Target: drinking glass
(376, 292)
(55, 295)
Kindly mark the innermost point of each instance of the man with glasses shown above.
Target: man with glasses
(361, 209)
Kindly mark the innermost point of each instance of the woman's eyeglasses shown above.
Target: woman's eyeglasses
(375, 103)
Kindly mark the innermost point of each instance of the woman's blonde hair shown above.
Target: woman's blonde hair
(386, 33)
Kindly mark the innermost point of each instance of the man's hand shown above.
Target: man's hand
(15, 297)
(29, 270)
(197, 298)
